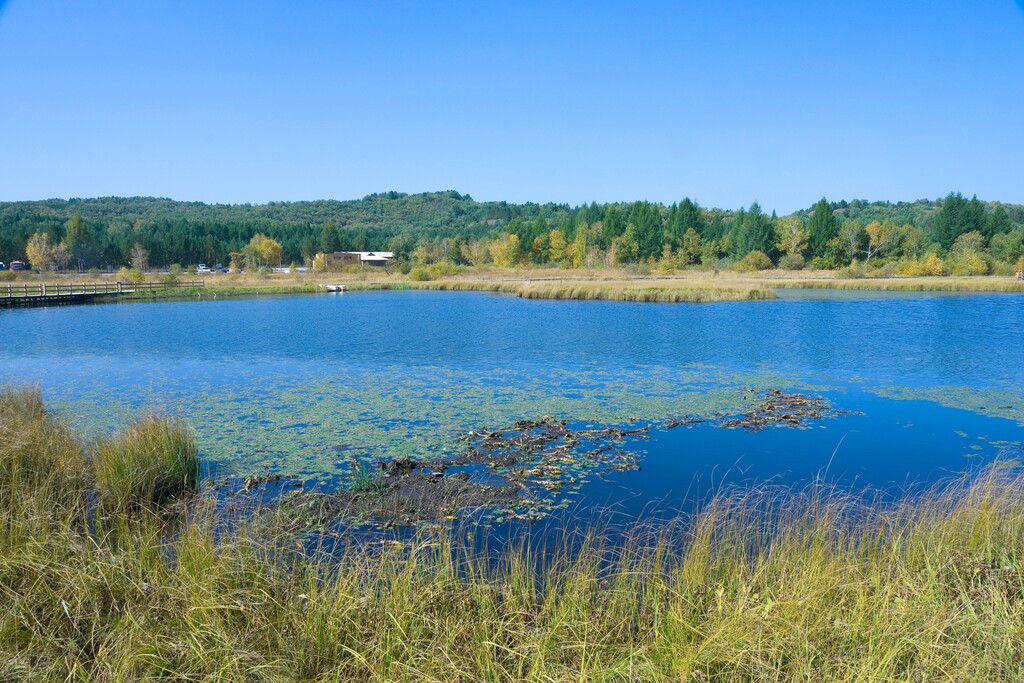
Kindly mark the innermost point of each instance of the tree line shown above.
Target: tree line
(952, 234)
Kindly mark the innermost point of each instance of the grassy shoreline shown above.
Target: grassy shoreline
(609, 284)
(767, 584)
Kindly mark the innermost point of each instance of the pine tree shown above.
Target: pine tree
(822, 226)
(330, 241)
(957, 216)
(998, 222)
(613, 226)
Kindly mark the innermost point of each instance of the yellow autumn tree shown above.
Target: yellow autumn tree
(506, 251)
(557, 246)
(261, 251)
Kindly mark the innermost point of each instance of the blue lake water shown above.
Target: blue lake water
(307, 385)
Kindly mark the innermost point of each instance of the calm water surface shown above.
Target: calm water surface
(307, 384)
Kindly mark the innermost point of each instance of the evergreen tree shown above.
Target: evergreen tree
(998, 222)
(330, 241)
(613, 226)
(958, 216)
(974, 217)
(689, 216)
(650, 230)
(756, 233)
(822, 226)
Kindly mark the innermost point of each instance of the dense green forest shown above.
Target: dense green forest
(110, 232)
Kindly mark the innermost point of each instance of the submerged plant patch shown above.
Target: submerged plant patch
(525, 470)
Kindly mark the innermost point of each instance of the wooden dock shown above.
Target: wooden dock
(72, 293)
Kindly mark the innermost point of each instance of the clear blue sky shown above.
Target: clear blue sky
(726, 102)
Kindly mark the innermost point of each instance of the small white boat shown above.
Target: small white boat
(334, 288)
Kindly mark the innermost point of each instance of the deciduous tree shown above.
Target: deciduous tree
(44, 255)
(791, 235)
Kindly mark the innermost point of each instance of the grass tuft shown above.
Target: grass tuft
(42, 465)
(153, 459)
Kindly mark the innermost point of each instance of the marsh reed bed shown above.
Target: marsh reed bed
(762, 584)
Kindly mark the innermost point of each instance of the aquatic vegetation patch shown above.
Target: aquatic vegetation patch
(778, 408)
(1006, 401)
(255, 419)
(525, 471)
(517, 472)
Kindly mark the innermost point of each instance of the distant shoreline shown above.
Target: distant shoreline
(598, 285)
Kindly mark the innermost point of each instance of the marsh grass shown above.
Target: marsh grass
(613, 284)
(153, 459)
(910, 284)
(364, 479)
(653, 291)
(762, 584)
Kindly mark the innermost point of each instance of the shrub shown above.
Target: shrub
(969, 263)
(131, 275)
(8, 276)
(1002, 268)
(931, 264)
(173, 273)
(887, 269)
(419, 274)
(153, 459)
(854, 270)
(755, 260)
(826, 262)
(404, 267)
(791, 262)
(443, 268)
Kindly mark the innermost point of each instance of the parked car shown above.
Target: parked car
(2, 266)
(203, 268)
(18, 265)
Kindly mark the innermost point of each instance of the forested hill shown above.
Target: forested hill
(189, 232)
(175, 231)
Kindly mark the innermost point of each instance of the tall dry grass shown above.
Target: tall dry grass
(765, 584)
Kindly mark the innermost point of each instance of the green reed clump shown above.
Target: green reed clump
(151, 460)
(42, 465)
